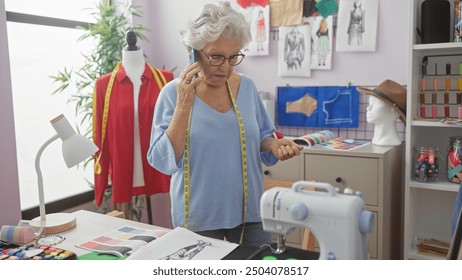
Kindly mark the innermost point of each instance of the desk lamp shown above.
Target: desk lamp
(75, 149)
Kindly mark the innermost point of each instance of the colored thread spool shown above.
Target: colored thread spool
(422, 98)
(435, 89)
(17, 234)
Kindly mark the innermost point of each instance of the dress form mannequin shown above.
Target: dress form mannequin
(134, 64)
(123, 108)
(384, 118)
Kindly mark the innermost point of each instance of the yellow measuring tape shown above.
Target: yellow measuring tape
(161, 81)
(187, 168)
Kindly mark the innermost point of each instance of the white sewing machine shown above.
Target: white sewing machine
(339, 221)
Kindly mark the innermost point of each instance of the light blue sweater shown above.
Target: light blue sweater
(216, 199)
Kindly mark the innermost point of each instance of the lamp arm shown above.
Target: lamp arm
(40, 179)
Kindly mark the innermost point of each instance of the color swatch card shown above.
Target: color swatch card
(341, 143)
(122, 241)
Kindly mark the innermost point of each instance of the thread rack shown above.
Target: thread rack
(440, 87)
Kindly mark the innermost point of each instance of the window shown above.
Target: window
(42, 40)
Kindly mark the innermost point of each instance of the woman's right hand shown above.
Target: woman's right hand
(186, 85)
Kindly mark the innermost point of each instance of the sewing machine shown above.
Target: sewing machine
(339, 221)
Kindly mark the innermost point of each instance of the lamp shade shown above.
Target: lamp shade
(75, 147)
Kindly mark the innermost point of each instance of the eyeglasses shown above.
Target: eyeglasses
(218, 59)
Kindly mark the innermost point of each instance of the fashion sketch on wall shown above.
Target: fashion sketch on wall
(294, 51)
(357, 25)
(321, 42)
(258, 18)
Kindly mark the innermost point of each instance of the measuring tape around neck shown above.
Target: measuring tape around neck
(187, 162)
(161, 81)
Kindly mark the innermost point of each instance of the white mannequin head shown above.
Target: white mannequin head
(133, 58)
(384, 119)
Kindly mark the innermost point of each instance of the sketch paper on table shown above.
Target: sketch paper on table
(183, 244)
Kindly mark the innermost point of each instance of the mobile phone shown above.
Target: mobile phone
(193, 54)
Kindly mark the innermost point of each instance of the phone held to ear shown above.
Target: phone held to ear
(193, 58)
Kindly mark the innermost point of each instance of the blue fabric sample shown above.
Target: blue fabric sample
(286, 95)
(338, 107)
(335, 106)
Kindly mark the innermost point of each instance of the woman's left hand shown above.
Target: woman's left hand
(287, 149)
(282, 148)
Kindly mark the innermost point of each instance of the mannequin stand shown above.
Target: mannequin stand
(149, 209)
(127, 209)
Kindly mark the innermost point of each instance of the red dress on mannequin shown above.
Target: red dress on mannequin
(116, 154)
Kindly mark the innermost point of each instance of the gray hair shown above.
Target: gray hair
(213, 21)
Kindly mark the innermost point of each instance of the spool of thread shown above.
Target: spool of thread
(460, 68)
(17, 234)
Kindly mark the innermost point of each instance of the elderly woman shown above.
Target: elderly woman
(211, 133)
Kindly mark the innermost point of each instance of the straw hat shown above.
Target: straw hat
(392, 94)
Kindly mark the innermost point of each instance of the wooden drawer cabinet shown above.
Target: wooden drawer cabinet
(287, 170)
(358, 173)
(373, 170)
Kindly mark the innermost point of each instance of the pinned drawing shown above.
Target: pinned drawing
(357, 25)
(294, 51)
(321, 38)
(258, 18)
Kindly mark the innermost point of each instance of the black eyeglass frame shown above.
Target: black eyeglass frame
(224, 58)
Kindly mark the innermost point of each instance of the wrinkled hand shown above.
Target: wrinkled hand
(186, 84)
(285, 149)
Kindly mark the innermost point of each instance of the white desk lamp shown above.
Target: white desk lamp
(75, 149)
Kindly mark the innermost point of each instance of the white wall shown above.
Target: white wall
(166, 18)
(10, 211)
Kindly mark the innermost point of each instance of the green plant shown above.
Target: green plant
(109, 31)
